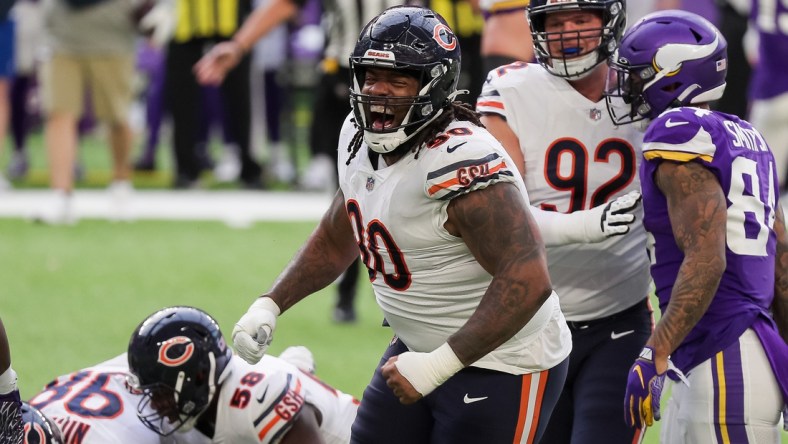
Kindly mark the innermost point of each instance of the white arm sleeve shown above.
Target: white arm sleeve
(589, 226)
(563, 228)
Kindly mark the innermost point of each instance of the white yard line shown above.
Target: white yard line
(233, 207)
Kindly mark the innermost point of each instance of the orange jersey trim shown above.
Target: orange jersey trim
(454, 181)
(490, 104)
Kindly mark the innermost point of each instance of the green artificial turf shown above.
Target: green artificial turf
(73, 295)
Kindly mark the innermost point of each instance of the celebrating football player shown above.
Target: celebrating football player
(430, 201)
(717, 241)
(190, 382)
(551, 119)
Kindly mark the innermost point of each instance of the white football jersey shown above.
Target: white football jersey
(426, 281)
(257, 403)
(575, 159)
(95, 406)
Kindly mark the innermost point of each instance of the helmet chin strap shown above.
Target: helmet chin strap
(575, 69)
(190, 422)
(211, 378)
(454, 95)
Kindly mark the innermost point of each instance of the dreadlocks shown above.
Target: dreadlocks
(455, 110)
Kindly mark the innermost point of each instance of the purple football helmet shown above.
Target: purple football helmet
(666, 60)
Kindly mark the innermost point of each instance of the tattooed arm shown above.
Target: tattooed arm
(326, 254)
(329, 250)
(697, 210)
(780, 304)
(497, 227)
(507, 243)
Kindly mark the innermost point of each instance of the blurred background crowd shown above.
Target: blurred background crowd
(124, 69)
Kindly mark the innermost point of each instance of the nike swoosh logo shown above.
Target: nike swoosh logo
(469, 400)
(640, 375)
(671, 124)
(452, 148)
(262, 397)
(614, 335)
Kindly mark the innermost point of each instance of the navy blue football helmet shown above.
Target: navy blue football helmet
(38, 428)
(177, 357)
(418, 42)
(575, 64)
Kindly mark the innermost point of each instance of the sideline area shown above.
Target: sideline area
(236, 208)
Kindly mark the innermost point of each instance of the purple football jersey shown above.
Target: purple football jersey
(705, 8)
(768, 76)
(743, 164)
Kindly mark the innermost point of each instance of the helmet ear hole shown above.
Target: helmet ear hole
(671, 87)
(201, 377)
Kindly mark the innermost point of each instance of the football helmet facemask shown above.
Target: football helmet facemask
(575, 63)
(177, 357)
(666, 60)
(415, 41)
(38, 427)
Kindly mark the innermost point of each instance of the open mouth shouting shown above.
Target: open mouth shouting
(382, 117)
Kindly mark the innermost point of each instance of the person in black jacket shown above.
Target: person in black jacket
(219, 20)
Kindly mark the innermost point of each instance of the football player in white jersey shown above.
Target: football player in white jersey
(96, 406)
(552, 120)
(441, 220)
(190, 382)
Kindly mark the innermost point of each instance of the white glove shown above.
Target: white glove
(299, 356)
(613, 218)
(426, 371)
(160, 22)
(254, 331)
(8, 381)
